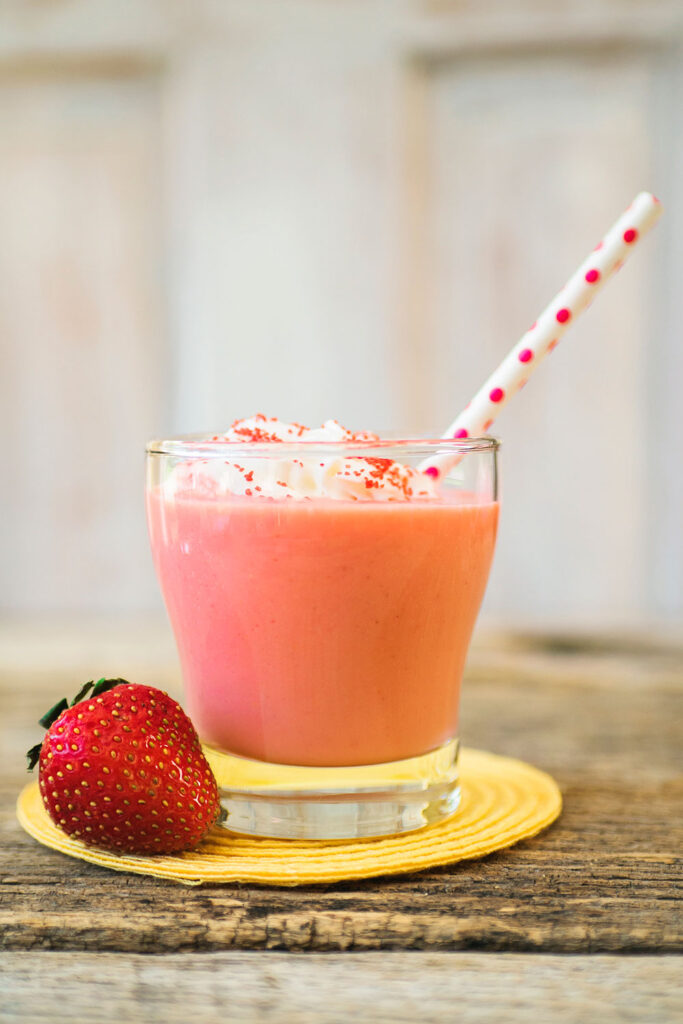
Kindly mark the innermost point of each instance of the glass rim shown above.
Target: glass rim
(202, 446)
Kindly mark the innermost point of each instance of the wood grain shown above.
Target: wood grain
(605, 878)
(80, 336)
(346, 209)
(400, 987)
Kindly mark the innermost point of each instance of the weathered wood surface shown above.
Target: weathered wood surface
(605, 721)
(398, 987)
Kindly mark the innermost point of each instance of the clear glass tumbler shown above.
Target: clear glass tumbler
(322, 633)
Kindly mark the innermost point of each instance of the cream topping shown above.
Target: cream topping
(301, 477)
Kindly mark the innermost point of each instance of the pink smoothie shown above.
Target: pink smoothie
(322, 632)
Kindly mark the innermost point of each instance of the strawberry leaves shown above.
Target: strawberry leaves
(53, 714)
(90, 689)
(33, 756)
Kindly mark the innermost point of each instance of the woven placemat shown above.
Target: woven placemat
(503, 801)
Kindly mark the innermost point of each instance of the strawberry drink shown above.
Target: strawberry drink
(323, 590)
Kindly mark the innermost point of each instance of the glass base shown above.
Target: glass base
(292, 802)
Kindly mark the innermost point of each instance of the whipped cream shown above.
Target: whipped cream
(266, 429)
(304, 477)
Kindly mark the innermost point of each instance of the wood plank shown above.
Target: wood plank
(605, 878)
(400, 987)
(84, 373)
(533, 158)
(284, 165)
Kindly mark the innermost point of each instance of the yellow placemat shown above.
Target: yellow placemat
(503, 801)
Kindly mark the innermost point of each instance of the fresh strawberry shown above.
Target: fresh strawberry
(122, 769)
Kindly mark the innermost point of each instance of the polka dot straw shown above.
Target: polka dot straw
(542, 337)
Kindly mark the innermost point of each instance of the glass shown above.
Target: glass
(322, 639)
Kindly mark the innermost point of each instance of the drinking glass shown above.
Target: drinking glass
(322, 639)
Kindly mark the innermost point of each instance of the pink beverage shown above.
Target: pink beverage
(322, 603)
(329, 633)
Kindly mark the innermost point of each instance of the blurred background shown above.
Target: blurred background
(349, 209)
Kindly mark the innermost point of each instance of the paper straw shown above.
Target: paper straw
(542, 337)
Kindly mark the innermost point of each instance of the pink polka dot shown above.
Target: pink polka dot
(655, 199)
(525, 356)
(488, 424)
(461, 433)
(592, 276)
(552, 344)
(631, 235)
(562, 316)
(533, 325)
(432, 471)
(497, 395)
(598, 246)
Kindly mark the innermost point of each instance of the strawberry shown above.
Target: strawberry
(122, 769)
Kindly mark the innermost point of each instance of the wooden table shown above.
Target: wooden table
(543, 928)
